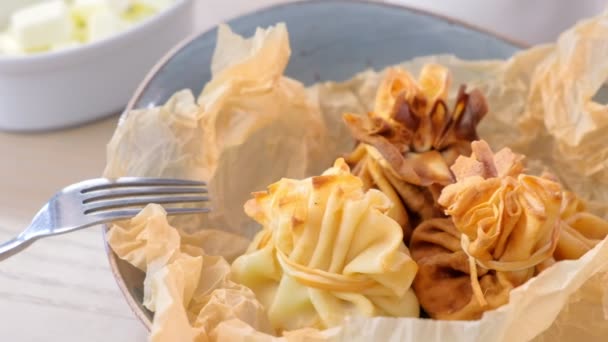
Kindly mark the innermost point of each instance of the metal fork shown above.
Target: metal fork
(98, 201)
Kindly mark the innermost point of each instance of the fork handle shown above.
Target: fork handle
(14, 246)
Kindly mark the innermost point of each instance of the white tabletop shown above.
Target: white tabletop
(61, 289)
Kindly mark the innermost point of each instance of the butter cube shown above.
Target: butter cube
(65, 45)
(9, 45)
(138, 12)
(104, 23)
(119, 6)
(158, 5)
(83, 9)
(42, 25)
(89, 3)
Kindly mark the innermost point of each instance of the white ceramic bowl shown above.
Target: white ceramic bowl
(70, 87)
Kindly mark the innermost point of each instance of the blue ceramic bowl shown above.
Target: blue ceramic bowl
(323, 48)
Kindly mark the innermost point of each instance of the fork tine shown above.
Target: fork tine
(122, 214)
(138, 182)
(105, 194)
(139, 201)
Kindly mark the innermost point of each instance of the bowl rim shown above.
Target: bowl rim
(112, 257)
(113, 261)
(186, 41)
(121, 37)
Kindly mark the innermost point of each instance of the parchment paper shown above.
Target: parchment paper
(541, 104)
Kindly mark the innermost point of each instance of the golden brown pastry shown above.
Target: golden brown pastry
(581, 230)
(327, 250)
(411, 138)
(504, 228)
(443, 283)
(509, 220)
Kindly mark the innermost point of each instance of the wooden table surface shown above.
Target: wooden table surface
(61, 289)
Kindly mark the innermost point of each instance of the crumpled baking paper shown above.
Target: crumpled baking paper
(250, 122)
(189, 290)
(544, 102)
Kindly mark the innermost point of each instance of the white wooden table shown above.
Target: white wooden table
(61, 289)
